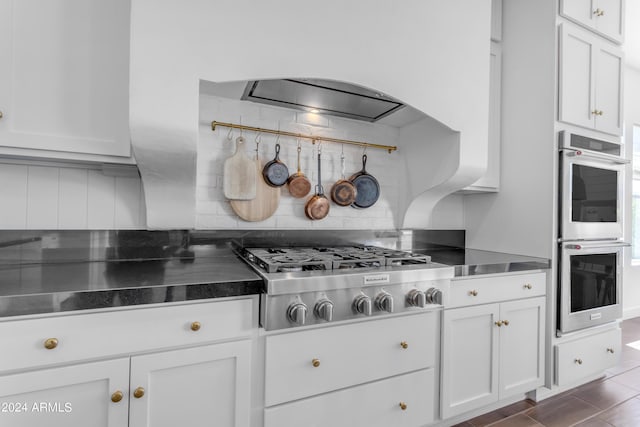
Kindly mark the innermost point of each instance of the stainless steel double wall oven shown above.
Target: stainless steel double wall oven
(591, 231)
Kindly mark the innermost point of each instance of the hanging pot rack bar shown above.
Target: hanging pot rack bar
(389, 148)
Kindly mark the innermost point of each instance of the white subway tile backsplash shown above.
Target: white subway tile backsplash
(214, 149)
(312, 119)
(216, 222)
(270, 115)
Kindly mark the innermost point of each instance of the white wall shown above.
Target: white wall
(631, 279)
(431, 54)
(55, 197)
(213, 211)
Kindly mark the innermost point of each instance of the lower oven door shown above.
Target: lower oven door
(590, 284)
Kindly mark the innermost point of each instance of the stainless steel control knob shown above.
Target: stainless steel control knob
(362, 304)
(324, 310)
(297, 313)
(434, 296)
(384, 302)
(416, 298)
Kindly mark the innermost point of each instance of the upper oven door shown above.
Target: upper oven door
(591, 197)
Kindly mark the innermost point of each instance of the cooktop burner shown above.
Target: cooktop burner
(274, 260)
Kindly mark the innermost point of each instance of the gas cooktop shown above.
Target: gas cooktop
(314, 285)
(283, 260)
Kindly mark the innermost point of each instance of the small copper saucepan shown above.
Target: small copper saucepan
(317, 207)
(299, 185)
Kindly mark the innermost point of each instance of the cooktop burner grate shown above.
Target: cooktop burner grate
(274, 260)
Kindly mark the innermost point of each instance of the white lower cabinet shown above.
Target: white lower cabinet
(580, 358)
(192, 387)
(170, 388)
(172, 365)
(370, 373)
(491, 352)
(72, 396)
(306, 363)
(401, 401)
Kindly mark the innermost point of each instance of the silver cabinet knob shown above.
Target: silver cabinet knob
(434, 296)
(362, 304)
(324, 310)
(297, 313)
(384, 302)
(416, 298)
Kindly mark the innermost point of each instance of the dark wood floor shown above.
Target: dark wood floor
(611, 401)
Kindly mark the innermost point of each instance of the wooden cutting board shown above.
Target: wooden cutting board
(239, 177)
(263, 205)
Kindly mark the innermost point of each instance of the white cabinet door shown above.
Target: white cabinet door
(608, 89)
(610, 20)
(64, 76)
(522, 345)
(72, 396)
(195, 387)
(576, 89)
(606, 17)
(590, 87)
(470, 358)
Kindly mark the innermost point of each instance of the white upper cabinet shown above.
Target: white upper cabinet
(606, 17)
(590, 86)
(64, 80)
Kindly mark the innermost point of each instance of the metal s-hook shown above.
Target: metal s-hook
(258, 141)
(230, 134)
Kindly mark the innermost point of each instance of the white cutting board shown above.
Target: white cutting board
(239, 176)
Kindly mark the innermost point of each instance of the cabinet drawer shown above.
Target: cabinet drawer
(373, 405)
(86, 336)
(496, 288)
(348, 355)
(587, 356)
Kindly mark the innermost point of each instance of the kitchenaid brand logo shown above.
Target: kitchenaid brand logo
(378, 278)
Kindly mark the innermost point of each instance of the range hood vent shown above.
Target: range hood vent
(323, 96)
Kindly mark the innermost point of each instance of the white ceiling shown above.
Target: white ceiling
(632, 33)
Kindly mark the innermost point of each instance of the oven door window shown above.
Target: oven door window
(593, 281)
(594, 194)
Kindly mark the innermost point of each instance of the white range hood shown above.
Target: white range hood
(430, 56)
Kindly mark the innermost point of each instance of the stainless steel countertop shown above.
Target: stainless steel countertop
(472, 262)
(61, 281)
(34, 288)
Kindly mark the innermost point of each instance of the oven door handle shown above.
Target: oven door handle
(593, 245)
(591, 155)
